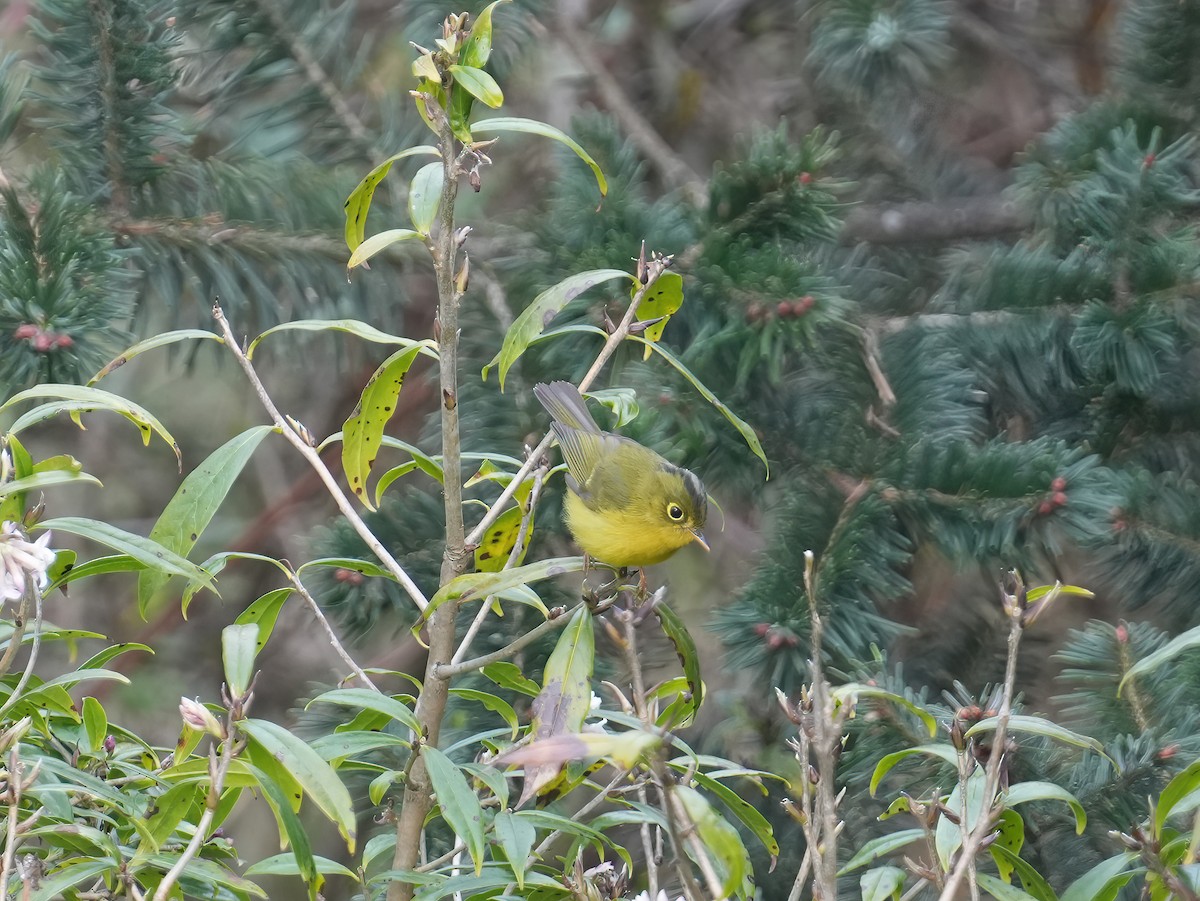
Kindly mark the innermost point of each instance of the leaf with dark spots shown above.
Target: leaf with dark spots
(363, 432)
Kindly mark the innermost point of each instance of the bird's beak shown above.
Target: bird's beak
(698, 537)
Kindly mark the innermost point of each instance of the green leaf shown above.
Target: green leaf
(661, 301)
(1046, 791)
(537, 316)
(460, 808)
(720, 840)
(1001, 891)
(169, 810)
(477, 586)
(851, 691)
(189, 512)
(318, 778)
(363, 431)
(95, 723)
(54, 885)
(341, 745)
(146, 551)
(349, 326)
(1010, 837)
(1036, 725)
(41, 480)
(944, 753)
(675, 629)
(1148, 664)
(161, 340)
(508, 675)
(533, 127)
(565, 699)
(881, 883)
(291, 828)
(358, 204)
(758, 824)
(86, 399)
(239, 645)
(479, 85)
(380, 242)
(366, 699)
(1180, 786)
(288, 865)
(878, 847)
(118, 563)
(516, 837)
(1031, 879)
(263, 613)
(498, 541)
(477, 48)
(425, 196)
(948, 835)
(747, 433)
(492, 703)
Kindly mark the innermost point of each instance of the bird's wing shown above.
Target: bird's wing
(584, 451)
(565, 404)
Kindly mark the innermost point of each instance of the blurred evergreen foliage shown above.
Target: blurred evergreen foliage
(942, 407)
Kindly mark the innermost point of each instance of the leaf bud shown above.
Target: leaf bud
(1059, 484)
(197, 716)
(958, 736)
(110, 744)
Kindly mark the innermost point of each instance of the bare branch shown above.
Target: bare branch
(940, 221)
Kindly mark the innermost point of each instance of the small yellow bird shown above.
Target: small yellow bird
(627, 506)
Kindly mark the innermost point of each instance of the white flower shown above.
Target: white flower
(21, 558)
(661, 896)
(598, 725)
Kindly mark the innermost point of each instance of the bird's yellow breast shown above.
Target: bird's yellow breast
(621, 537)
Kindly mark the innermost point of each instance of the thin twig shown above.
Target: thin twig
(314, 460)
(31, 587)
(802, 876)
(517, 552)
(447, 670)
(333, 639)
(218, 769)
(14, 814)
(14, 640)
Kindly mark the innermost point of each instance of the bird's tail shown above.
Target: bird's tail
(565, 404)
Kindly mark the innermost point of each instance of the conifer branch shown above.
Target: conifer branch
(921, 222)
(212, 232)
(676, 173)
(101, 13)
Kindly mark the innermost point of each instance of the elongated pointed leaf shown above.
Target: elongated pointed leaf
(289, 865)
(758, 824)
(95, 723)
(301, 855)
(264, 613)
(146, 551)
(479, 85)
(239, 645)
(492, 703)
(1001, 891)
(83, 399)
(54, 885)
(195, 503)
(516, 837)
(1036, 725)
(661, 301)
(720, 840)
(535, 318)
(358, 204)
(1031, 879)
(365, 699)
(40, 480)
(380, 242)
(879, 847)
(460, 808)
(1104, 880)
(349, 326)
(881, 883)
(1168, 652)
(685, 649)
(944, 753)
(318, 779)
(425, 196)
(533, 127)
(162, 340)
(948, 834)
(1046, 791)
(854, 690)
(565, 699)
(747, 433)
(477, 48)
(363, 431)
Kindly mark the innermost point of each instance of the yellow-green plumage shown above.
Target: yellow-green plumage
(627, 506)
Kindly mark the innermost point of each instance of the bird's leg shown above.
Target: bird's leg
(642, 584)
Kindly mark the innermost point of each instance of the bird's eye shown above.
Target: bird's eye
(675, 512)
